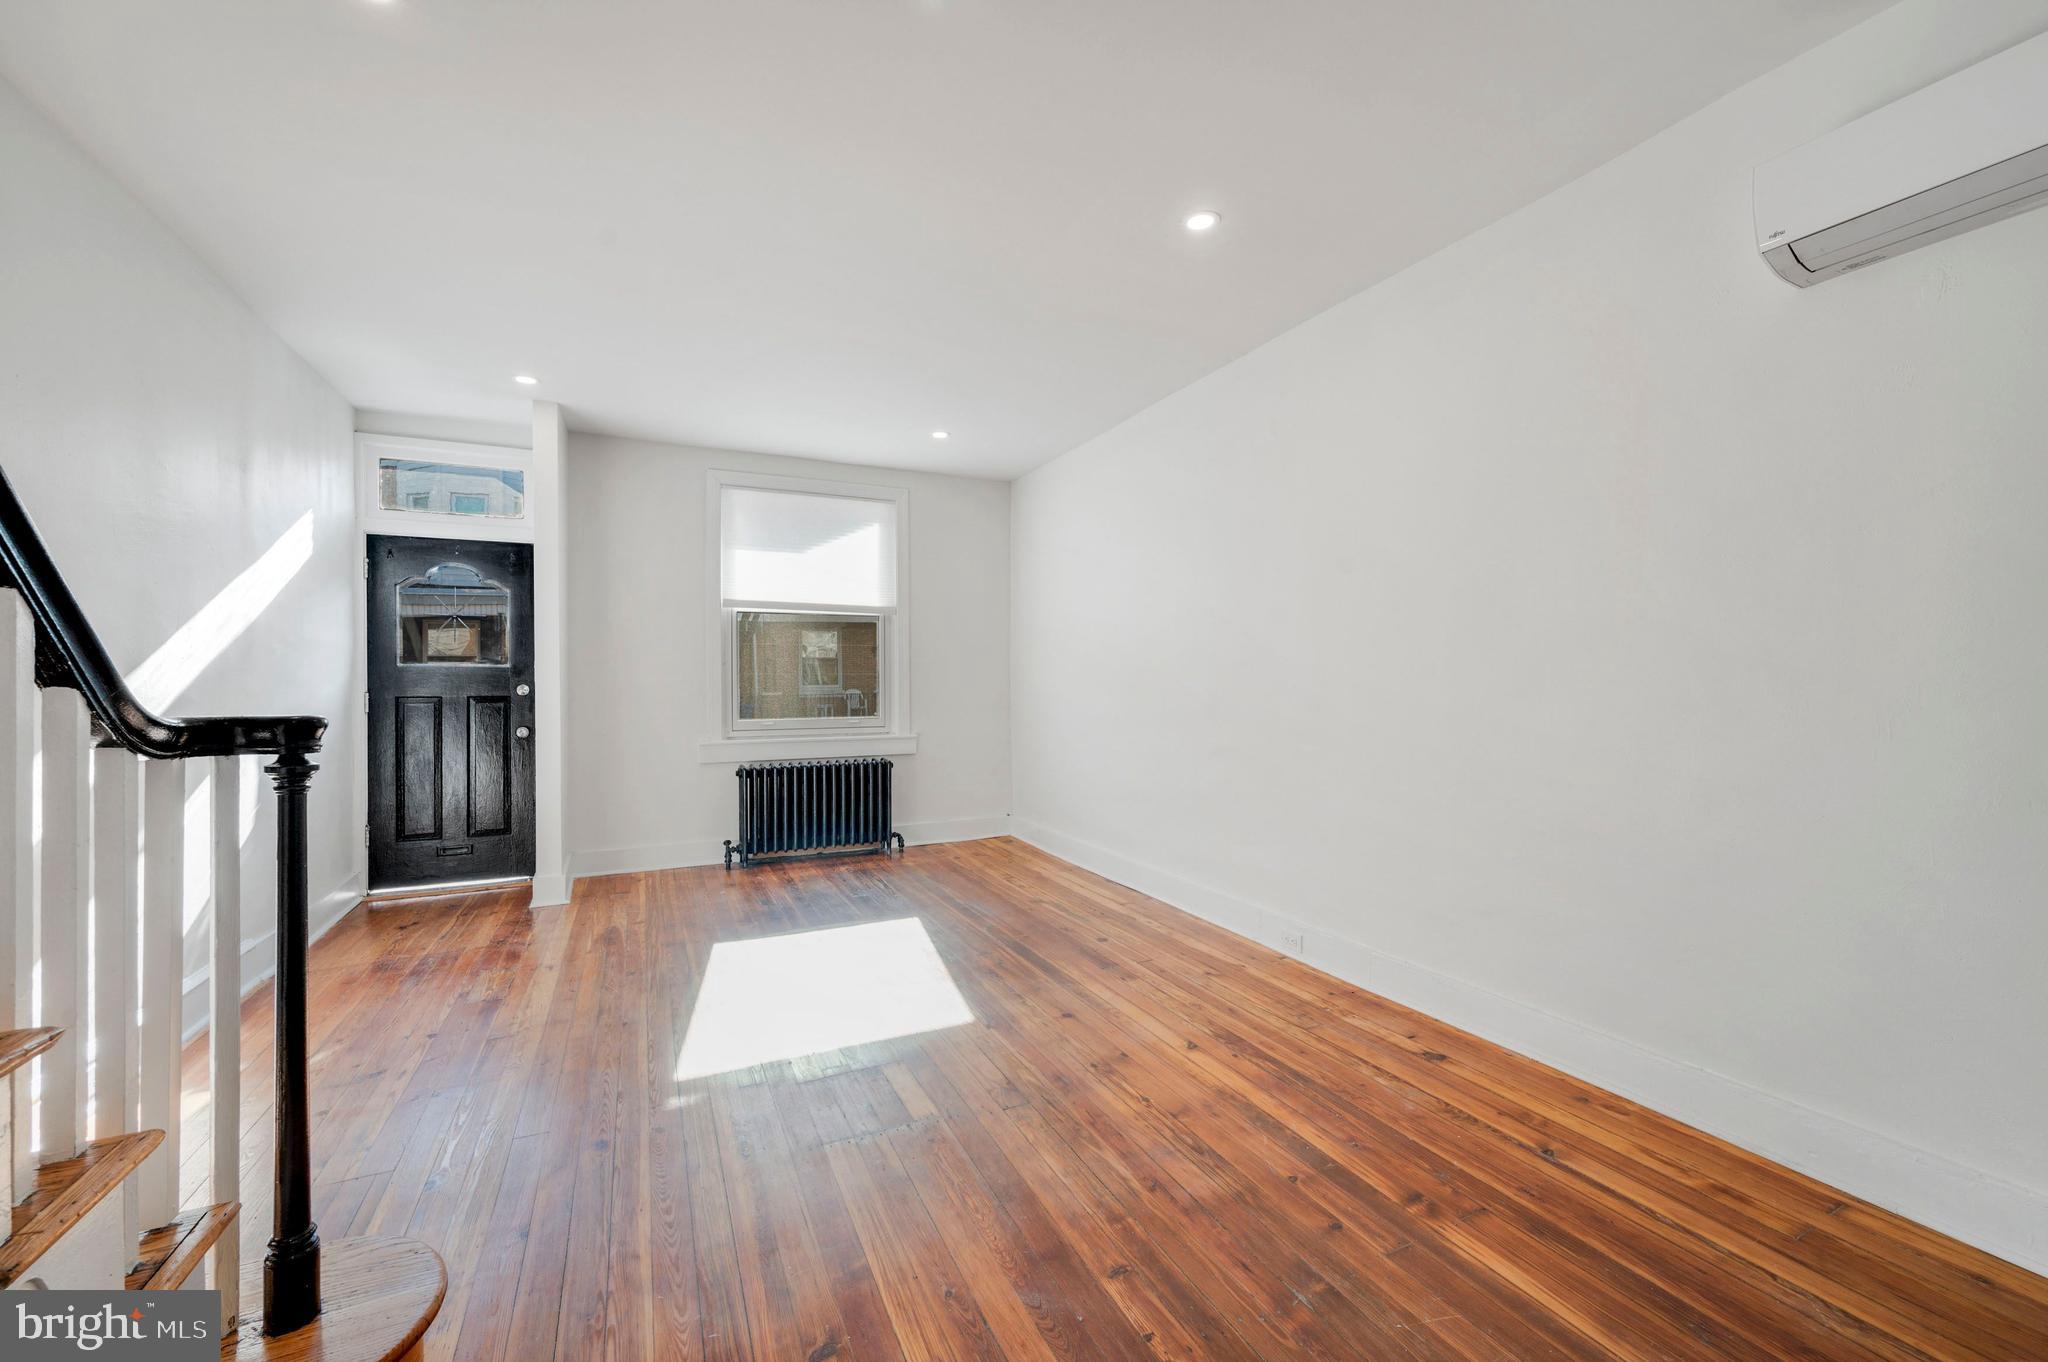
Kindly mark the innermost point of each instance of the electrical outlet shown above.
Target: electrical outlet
(1291, 942)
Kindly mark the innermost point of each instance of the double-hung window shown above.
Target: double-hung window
(809, 605)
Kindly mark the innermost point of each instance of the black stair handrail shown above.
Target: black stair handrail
(69, 654)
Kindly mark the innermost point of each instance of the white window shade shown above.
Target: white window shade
(807, 548)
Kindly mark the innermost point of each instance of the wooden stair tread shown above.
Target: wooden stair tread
(19, 1047)
(65, 1190)
(171, 1253)
(377, 1297)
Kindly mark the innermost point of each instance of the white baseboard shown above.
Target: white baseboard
(1979, 1208)
(956, 829)
(675, 855)
(550, 891)
(633, 860)
(259, 954)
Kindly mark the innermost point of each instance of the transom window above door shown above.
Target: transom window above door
(451, 488)
(445, 490)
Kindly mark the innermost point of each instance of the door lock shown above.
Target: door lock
(522, 689)
(522, 732)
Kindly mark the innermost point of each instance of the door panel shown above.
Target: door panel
(417, 769)
(451, 733)
(490, 774)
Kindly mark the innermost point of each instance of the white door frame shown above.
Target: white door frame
(541, 527)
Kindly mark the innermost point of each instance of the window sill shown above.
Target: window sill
(715, 750)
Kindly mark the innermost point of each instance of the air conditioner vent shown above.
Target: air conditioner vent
(1964, 152)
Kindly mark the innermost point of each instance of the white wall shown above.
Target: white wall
(1600, 643)
(640, 796)
(461, 430)
(165, 441)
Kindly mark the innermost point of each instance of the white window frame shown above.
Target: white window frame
(886, 731)
(373, 449)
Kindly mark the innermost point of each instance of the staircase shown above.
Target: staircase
(94, 805)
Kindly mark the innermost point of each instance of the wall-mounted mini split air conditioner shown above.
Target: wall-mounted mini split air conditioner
(1965, 151)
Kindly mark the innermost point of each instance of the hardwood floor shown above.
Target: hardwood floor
(1153, 1140)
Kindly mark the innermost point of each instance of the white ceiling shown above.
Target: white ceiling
(828, 227)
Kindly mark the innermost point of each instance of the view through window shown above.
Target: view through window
(451, 488)
(793, 666)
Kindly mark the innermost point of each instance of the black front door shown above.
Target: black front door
(451, 711)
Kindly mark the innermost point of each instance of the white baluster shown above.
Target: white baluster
(116, 841)
(158, 1063)
(116, 838)
(18, 715)
(224, 1024)
(60, 913)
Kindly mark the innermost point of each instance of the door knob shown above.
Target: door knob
(522, 689)
(522, 732)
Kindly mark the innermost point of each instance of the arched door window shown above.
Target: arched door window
(454, 617)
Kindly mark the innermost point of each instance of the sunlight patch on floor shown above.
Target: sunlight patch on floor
(784, 997)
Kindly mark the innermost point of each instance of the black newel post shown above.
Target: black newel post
(291, 1270)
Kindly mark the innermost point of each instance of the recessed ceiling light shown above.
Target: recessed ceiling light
(942, 435)
(526, 380)
(1204, 221)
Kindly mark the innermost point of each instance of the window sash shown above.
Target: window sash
(876, 718)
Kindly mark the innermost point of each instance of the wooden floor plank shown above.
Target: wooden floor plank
(1154, 1140)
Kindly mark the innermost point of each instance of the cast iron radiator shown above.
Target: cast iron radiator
(798, 808)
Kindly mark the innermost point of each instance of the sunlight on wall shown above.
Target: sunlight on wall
(783, 997)
(35, 1083)
(167, 673)
(85, 1033)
